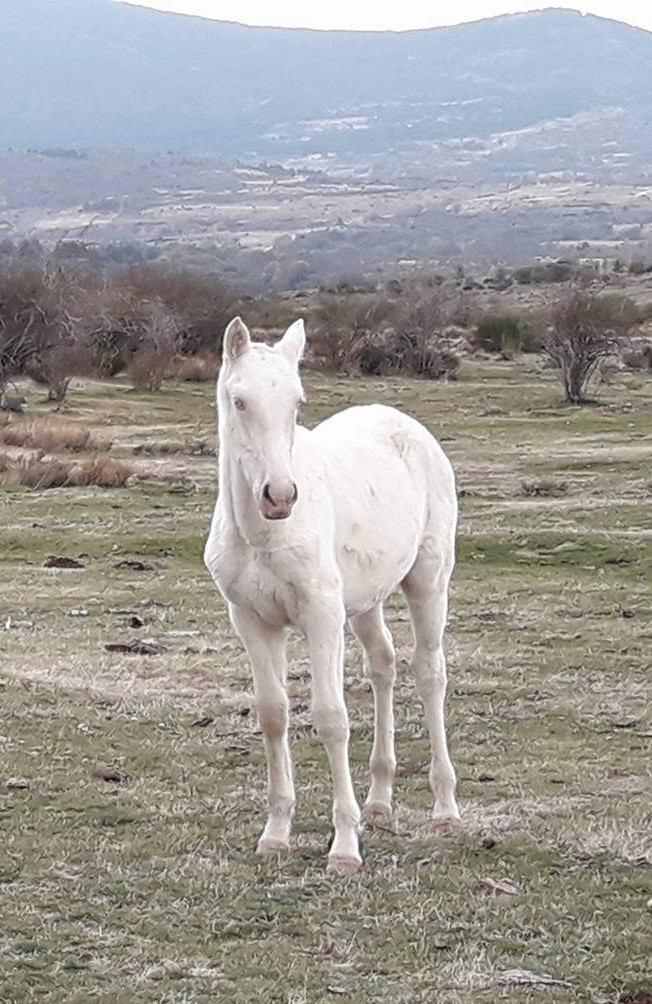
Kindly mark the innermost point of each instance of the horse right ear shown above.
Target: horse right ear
(236, 339)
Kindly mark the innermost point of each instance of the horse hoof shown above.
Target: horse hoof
(340, 865)
(446, 823)
(374, 811)
(268, 847)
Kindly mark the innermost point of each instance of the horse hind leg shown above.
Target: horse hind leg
(376, 641)
(426, 591)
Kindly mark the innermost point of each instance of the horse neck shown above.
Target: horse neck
(238, 504)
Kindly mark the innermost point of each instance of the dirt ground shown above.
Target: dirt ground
(132, 787)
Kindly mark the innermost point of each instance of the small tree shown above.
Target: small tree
(585, 329)
(150, 363)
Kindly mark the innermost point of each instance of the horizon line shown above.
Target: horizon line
(144, 5)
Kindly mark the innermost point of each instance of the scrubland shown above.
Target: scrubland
(133, 785)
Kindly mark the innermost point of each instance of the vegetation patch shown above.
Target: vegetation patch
(52, 436)
(31, 472)
(134, 784)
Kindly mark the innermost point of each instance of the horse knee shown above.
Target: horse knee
(331, 722)
(273, 718)
(429, 668)
(381, 662)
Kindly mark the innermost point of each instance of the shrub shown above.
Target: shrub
(56, 366)
(148, 368)
(150, 363)
(28, 320)
(553, 271)
(201, 306)
(413, 355)
(639, 267)
(194, 369)
(503, 333)
(585, 329)
(339, 320)
(638, 358)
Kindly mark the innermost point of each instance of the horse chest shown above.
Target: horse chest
(259, 581)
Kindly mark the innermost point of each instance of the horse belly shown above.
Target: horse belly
(376, 550)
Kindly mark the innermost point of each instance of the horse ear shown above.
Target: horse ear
(236, 339)
(293, 342)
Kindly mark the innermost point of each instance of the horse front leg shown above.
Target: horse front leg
(324, 629)
(265, 647)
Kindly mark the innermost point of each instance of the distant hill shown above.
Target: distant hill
(96, 73)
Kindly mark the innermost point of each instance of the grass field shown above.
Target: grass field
(147, 888)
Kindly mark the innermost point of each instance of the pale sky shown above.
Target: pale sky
(374, 15)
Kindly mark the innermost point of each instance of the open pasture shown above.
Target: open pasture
(146, 887)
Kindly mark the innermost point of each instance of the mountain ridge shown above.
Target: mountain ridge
(99, 73)
(386, 31)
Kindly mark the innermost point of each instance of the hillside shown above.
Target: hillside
(96, 73)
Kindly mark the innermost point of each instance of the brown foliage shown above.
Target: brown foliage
(585, 328)
(201, 306)
(194, 369)
(55, 325)
(56, 366)
(28, 319)
(638, 357)
(399, 330)
(413, 355)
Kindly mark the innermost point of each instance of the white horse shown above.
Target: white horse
(312, 527)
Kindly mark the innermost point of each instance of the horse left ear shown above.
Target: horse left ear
(293, 342)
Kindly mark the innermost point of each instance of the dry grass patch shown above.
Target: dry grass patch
(52, 436)
(172, 447)
(44, 473)
(194, 369)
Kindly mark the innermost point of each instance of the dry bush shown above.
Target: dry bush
(392, 352)
(502, 333)
(638, 357)
(56, 366)
(415, 344)
(403, 324)
(201, 306)
(106, 473)
(53, 437)
(53, 473)
(148, 368)
(194, 369)
(150, 363)
(28, 319)
(585, 329)
(59, 324)
(339, 320)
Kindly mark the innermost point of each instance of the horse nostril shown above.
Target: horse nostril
(295, 493)
(266, 494)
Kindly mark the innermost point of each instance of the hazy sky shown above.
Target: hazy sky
(396, 16)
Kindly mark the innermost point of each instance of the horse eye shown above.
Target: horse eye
(239, 403)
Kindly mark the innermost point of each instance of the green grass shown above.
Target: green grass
(149, 889)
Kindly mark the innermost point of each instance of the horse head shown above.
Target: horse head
(258, 397)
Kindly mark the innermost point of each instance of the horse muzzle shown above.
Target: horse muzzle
(277, 504)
